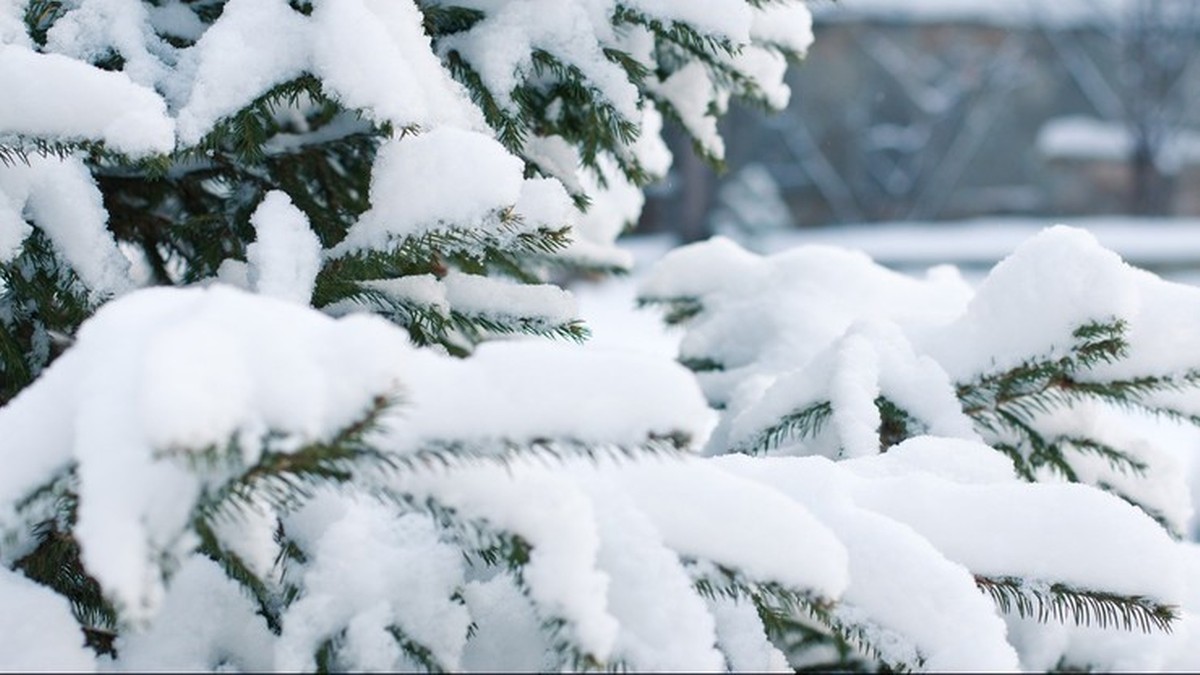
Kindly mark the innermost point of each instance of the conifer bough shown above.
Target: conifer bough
(243, 242)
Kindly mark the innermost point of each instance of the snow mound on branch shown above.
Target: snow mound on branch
(95, 28)
(285, 257)
(522, 390)
(358, 44)
(205, 619)
(404, 202)
(256, 45)
(83, 103)
(167, 372)
(1056, 282)
(767, 315)
(914, 529)
(818, 324)
(576, 515)
(370, 570)
(163, 375)
(61, 197)
(37, 631)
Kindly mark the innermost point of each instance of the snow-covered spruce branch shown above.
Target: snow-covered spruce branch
(1006, 407)
(798, 621)
(819, 351)
(184, 138)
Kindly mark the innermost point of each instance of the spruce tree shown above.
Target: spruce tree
(244, 248)
(438, 164)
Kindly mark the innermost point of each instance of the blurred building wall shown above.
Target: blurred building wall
(901, 115)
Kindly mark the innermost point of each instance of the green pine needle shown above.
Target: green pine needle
(1062, 603)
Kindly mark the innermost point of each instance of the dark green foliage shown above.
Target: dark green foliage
(54, 560)
(795, 621)
(1062, 603)
(56, 564)
(701, 364)
(442, 20)
(287, 478)
(804, 423)
(41, 306)
(676, 311)
(896, 424)
(40, 15)
(416, 651)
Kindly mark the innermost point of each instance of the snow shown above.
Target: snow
(507, 636)
(546, 304)
(207, 366)
(787, 24)
(95, 27)
(13, 228)
(690, 92)
(358, 44)
(86, 103)
(557, 519)
(1058, 281)
(228, 71)
(523, 390)
(726, 18)
(12, 23)
(764, 308)
(1084, 138)
(404, 203)
(664, 623)
(578, 515)
(62, 199)
(733, 515)
(500, 46)
(907, 529)
(285, 256)
(370, 570)
(1164, 245)
(42, 635)
(166, 395)
(741, 637)
(173, 17)
(206, 622)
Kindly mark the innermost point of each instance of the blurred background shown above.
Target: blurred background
(954, 118)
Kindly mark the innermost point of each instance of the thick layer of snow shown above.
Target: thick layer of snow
(176, 371)
(286, 255)
(61, 197)
(405, 203)
(369, 569)
(524, 390)
(359, 44)
(205, 619)
(85, 103)
(37, 631)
